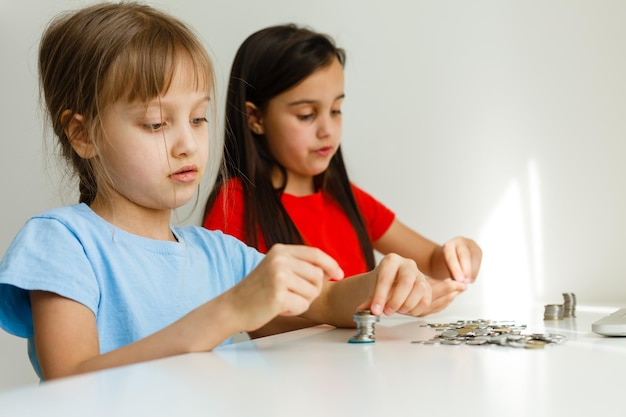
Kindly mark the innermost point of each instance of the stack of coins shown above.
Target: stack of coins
(553, 312)
(365, 322)
(569, 304)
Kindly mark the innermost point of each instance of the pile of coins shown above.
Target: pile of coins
(484, 332)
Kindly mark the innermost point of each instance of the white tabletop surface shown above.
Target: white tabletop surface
(315, 372)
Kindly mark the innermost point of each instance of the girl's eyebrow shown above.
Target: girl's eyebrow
(158, 103)
(311, 101)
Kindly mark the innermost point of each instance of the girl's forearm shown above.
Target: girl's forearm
(339, 300)
(438, 265)
(216, 319)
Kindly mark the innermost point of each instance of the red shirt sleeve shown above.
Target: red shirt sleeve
(377, 217)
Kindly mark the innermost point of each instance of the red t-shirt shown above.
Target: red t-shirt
(320, 221)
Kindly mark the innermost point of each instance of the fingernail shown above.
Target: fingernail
(388, 311)
(338, 276)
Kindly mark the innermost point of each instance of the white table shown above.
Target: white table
(315, 372)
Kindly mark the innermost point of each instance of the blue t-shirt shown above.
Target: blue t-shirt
(135, 286)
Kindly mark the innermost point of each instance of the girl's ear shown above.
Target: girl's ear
(255, 123)
(77, 135)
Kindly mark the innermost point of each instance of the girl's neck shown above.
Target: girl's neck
(297, 185)
(140, 221)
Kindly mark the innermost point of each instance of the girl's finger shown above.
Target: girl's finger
(318, 258)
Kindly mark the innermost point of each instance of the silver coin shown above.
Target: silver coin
(476, 342)
(451, 342)
(448, 334)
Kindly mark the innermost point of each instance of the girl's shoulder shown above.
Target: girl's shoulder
(64, 211)
(371, 207)
(73, 216)
(360, 194)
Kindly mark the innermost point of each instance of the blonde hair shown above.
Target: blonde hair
(91, 58)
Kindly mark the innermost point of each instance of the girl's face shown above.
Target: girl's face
(155, 155)
(303, 127)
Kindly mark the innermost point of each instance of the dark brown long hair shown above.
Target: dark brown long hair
(268, 63)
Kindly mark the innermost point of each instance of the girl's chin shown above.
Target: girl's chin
(321, 168)
(181, 199)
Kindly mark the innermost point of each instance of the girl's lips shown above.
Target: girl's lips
(185, 175)
(325, 151)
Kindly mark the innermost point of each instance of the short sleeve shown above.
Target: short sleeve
(376, 215)
(45, 255)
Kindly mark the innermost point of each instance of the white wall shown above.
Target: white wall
(499, 120)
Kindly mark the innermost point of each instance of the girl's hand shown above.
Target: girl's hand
(444, 292)
(398, 286)
(285, 283)
(463, 257)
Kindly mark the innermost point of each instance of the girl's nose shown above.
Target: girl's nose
(325, 127)
(184, 141)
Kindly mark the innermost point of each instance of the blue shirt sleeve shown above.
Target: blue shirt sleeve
(45, 255)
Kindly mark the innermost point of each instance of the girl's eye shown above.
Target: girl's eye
(336, 112)
(305, 116)
(199, 120)
(154, 127)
